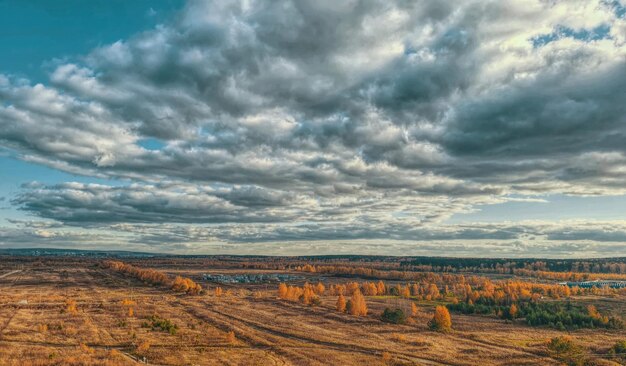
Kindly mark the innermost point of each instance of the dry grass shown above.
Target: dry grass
(74, 313)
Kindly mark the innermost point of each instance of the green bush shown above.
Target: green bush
(396, 316)
(157, 323)
(563, 348)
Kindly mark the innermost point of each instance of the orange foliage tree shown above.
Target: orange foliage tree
(358, 307)
(341, 303)
(441, 320)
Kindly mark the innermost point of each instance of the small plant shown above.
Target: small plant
(86, 349)
(115, 354)
(565, 349)
(71, 307)
(397, 337)
(385, 356)
(619, 350)
(142, 348)
(156, 323)
(231, 338)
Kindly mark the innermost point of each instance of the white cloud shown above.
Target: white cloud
(355, 116)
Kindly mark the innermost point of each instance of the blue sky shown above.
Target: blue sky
(38, 34)
(314, 128)
(35, 33)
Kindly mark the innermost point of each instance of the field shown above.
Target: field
(69, 310)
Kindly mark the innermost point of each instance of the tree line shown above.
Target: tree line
(154, 277)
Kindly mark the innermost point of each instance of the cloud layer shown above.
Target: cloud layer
(288, 120)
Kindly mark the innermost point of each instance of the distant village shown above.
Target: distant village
(252, 278)
(596, 283)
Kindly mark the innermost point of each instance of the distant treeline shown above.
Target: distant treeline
(154, 277)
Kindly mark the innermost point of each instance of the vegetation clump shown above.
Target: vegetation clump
(565, 349)
(157, 323)
(395, 316)
(619, 350)
(558, 315)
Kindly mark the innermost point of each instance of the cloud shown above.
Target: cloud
(362, 119)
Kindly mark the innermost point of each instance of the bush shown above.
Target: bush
(619, 349)
(565, 349)
(165, 325)
(396, 316)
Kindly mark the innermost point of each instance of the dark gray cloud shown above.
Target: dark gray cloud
(384, 116)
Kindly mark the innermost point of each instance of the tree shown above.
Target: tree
(282, 291)
(218, 291)
(341, 303)
(320, 288)
(380, 288)
(359, 307)
(513, 311)
(441, 320)
(393, 316)
(413, 309)
(308, 295)
(405, 292)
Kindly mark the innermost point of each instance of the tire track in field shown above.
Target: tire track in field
(8, 322)
(344, 347)
(494, 346)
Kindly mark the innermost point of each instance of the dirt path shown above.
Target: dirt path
(10, 273)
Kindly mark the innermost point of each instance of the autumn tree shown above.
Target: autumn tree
(341, 303)
(218, 291)
(308, 296)
(405, 292)
(282, 291)
(441, 320)
(413, 309)
(358, 306)
(380, 288)
(320, 288)
(513, 311)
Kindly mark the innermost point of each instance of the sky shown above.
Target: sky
(474, 128)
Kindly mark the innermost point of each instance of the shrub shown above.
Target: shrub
(393, 316)
(157, 323)
(619, 349)
(565, 349)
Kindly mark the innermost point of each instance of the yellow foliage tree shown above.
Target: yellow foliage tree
(359, 307)
(320, 288)
(282, 291)
(341, 303)
(218, 291)
(441, 320)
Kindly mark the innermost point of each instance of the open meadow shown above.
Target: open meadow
(85, 311)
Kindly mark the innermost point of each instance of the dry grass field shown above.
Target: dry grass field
(71, 311)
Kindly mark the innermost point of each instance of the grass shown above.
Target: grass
(99, 331)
